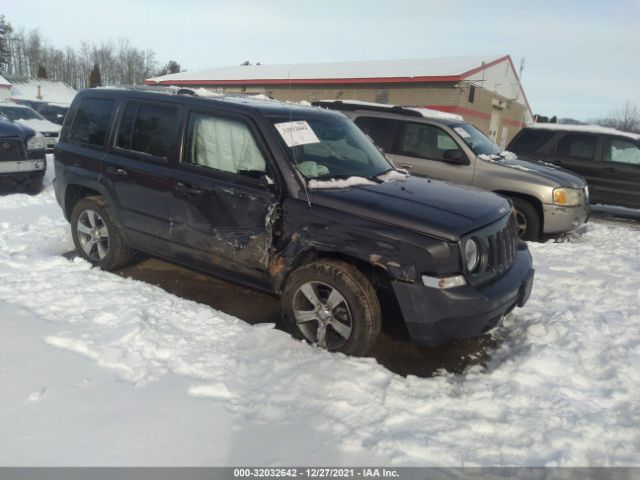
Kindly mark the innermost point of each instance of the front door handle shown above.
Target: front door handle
(405, 166)
(610, 170)
(117, 171)
(188, 189)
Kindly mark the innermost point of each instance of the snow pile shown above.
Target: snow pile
(561, 387)
(393, 175)
(339, 183)
(585, 129)
(437, 114)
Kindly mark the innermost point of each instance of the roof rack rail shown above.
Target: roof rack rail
(169, 89)
(357, 105)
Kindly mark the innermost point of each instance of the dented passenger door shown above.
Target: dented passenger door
(225, 200)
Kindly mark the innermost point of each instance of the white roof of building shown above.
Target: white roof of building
(51, 91)
(434, 69)
(4, 82)
(584, 129)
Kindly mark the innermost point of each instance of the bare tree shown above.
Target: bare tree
(27, 54)
(626, 118)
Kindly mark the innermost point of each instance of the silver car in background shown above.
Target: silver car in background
(547, 199)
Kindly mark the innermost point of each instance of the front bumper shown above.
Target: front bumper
(22, 171)
(559, 219)
(434, 316)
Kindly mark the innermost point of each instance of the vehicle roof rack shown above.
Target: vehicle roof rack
(356, 105)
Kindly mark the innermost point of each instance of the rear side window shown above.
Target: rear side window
(531, 140)
(381, 130)
(621, 151)
(577, 145)
(147, 129)
(91, 122)
(424, 141)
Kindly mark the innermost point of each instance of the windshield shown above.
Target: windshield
(20, 113)
(476, 140)
(330, 147)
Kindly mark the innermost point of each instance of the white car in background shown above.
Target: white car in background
(27, 116)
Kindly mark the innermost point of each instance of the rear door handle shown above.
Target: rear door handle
(405, 166)
(117, 171)
(188, 189)
(610, 170)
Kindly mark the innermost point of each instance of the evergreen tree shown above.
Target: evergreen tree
(171, 67)
(95, 78)
(42, 72)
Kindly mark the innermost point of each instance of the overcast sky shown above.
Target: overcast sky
(582, 57)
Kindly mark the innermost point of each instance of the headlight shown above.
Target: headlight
(471, 255)
(568, 197)
(37, 142)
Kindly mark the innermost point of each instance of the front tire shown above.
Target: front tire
(527, 219)
(96, 237)
(331, 304)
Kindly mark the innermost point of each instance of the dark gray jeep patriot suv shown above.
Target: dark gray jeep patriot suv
(293, 200)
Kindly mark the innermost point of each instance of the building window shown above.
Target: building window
(472, 93)
(382, 96)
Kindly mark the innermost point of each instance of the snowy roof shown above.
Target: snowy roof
(25, 88)
(426, 69)
(585, 129)
(4, 82)
(425, 112)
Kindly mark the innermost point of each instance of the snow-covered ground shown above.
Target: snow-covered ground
(96, 369)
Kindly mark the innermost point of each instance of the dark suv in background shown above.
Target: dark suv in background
(607, 158)
(22, 156)
(292, 200)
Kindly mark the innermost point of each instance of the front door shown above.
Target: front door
(577, 152)
(420, 148)
(224, 200)
(620, 172)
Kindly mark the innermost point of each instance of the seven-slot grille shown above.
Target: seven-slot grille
(10, 150)
(502, 247)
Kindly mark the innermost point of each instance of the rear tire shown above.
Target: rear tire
(527, 218)
(330, 303)
(96, 237)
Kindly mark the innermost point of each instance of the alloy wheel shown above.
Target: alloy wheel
(521, 223)
(322, 315)
(93, 235)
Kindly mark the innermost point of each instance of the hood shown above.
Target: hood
(40, 125)
(431, 207)
(555, 175)
(9, 129)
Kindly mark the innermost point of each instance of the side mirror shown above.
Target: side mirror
(454, 156)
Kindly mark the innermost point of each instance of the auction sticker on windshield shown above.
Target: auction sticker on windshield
(296, 133)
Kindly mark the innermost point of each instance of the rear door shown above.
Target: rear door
(139, 173)
(420, 147)
(224, 199)
(619, 175)
(577, 152)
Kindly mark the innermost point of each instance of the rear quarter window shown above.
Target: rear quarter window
(530, 140)
(91, 122)
(381, 130)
